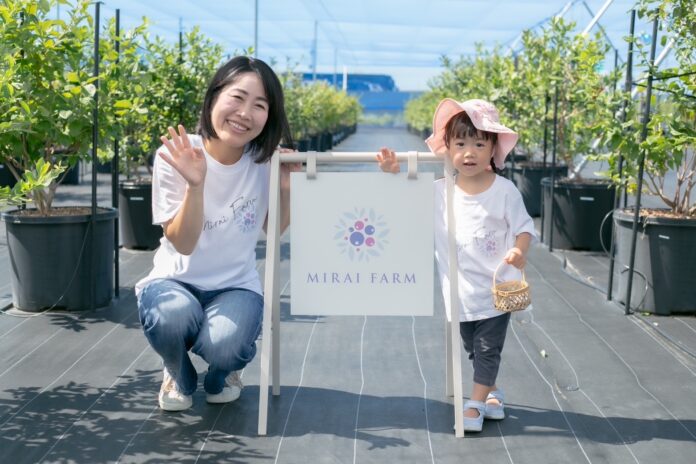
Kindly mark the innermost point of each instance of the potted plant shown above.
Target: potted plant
(664, 273)
(47, 102)
(582, 105)
(295, 98)
(169, 81)
(485, 75)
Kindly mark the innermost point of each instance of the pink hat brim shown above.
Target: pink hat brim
(448, 108)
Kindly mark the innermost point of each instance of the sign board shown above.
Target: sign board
(361, 244)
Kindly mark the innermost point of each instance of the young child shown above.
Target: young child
(210, 194)
(492, 226)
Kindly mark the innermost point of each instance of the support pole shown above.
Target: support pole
(641, 167)
(314, 52)
(543, 163)
(624, 114)
(256, 28)
(115, 170)
(95, 145)
(599, 14)
(553, 166)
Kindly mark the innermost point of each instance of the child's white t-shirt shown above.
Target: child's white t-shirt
(235, 199)
(487, 225)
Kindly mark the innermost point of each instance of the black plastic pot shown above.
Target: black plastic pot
(6, 177)
(325, 141)
(303, 145)
(579, 211)
(104, 168)
(527, 177)
(135, 216)
(665, 257)
(73, 175)
(51, 260)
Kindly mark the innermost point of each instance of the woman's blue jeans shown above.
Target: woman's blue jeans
(220, 326)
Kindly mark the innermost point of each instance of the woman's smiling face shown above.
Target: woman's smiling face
(240, 111)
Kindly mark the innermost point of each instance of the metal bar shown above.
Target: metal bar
(330, 157)
(641, 167)
(95, 145)
(604, 32)
(624, 111)
(314, 52)
(560, 14)
(256, 28)
(565, 9)
(663, 54)
(543, 163)
(115, 170)
(599, 14)
(553, 167)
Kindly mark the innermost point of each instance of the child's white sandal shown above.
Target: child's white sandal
(495, 411)
(474, 424)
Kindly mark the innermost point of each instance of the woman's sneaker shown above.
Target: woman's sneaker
(170, 398)
(230, 392)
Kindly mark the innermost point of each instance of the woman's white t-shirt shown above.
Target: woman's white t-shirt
(487, 225)
(235, 199)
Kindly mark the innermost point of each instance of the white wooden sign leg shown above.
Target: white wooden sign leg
(454, 309)
(448, 360)
(275, 357)
(457, 379)
(270, 300)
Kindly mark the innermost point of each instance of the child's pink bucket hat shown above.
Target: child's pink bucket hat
(483, 115)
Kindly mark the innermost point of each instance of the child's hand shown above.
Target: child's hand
(515, 257)
(387, 161)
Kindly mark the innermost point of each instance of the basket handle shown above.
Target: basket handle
(495, 273)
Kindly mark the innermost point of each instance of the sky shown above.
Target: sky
(403, 38)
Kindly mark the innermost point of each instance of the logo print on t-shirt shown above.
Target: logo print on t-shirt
(482, 240)
(244, 213)
(361, 234)
(486, 243)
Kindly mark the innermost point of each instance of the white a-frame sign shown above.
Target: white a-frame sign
(362, 244)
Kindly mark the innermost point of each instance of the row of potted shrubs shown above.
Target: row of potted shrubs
(47, 99)
(555, 94)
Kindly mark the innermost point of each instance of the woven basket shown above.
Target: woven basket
(512, 295)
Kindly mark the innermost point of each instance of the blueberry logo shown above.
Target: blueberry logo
(247, 221)
(361, 234)
(245, 214)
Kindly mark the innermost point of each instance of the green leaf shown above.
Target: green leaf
(72, 77)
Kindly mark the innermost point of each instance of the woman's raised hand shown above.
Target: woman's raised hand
(187, 160)
(387, 161)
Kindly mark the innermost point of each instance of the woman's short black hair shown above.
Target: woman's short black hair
(276, 127)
